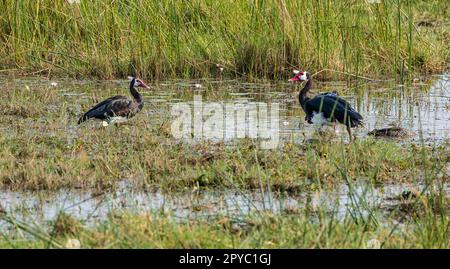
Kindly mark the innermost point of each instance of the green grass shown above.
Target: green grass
(296, 230)
(157, 39)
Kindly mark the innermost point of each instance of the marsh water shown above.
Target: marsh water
(361, 198)
(422, 108)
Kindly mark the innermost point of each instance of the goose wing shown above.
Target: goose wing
(114, 106)
(333, 93)
(334, 108)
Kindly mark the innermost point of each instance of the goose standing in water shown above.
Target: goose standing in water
(118, 108)
(326, 108)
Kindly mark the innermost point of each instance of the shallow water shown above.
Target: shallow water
(361, 199)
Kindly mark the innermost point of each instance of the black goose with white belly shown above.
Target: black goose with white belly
(118, 108)
(326, 108)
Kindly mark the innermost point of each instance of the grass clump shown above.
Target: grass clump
(65, 225)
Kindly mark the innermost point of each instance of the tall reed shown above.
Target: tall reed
(156, 39)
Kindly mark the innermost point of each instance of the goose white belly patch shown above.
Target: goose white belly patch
(115, 119)
(319, 119)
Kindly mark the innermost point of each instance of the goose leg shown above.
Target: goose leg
(320, 130)
(349, 130)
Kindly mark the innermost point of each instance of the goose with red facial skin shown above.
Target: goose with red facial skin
(118, 108)
(326, 108)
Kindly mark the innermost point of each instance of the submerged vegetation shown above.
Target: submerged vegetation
(155, 39)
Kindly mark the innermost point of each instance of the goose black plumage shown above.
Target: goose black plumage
(326, 108)
(118, 108)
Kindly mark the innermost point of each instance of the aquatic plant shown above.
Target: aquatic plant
(155, 39)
